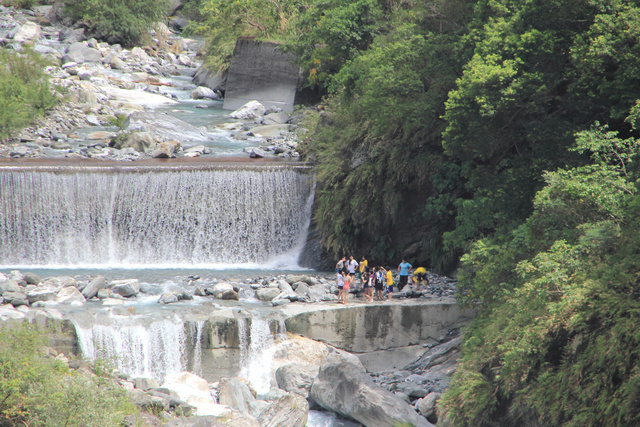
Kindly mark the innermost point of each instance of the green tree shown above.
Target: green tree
(117, 21)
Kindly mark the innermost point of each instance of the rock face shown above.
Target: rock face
(347, 389)
(234, 392)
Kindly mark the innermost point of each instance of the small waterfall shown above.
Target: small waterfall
(195, 334)
(139, 349)
(137, 217)
(256, 352)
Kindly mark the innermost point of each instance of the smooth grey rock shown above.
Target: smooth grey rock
(249, 111)
(145, 384)
(202, 92)
(302, 289)
(32, 278)
(290, 410)
(347, 389)
(230, 295)
(168, 298)
(28, 31)
(125, 287)
(61, 282)
(94, 286)
(79, 52)
(267, 294)
(104, 293)
(139, 141)
(165, 150)
(234, 392)
(15, 298)
(117, 64)
(275, 118)
(296, 378)
(210, 78)
(293, 278)
(427, 406)
(9, 286)
(257, 153)
(42, 293)
(69, 295)
(232, 420)
(278, 302)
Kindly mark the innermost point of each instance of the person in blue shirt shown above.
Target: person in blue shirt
(404, 268)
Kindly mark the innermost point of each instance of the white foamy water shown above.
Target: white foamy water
(154, 218)
(135, 347)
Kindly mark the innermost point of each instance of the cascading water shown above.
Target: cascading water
(256, 352)
(136, 217)
(134, 347)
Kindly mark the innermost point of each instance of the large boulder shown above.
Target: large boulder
(347, 389)
(210, 78)
(195, 391)
(139, 141)
(165, 150)
(290, 410)
(250, 111)
(427, 406)
(29, 31)
(94, 286)
(42, 293)
(79, 52)
(267, 294)
(58, 282)
(15, 298)
(202, 92)
(69, 295)
(125, 287)
(32, 278)
(235, 393)
(9, 286)
(296, 378)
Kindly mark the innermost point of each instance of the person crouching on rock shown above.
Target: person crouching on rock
(340, 284)
(420, 275)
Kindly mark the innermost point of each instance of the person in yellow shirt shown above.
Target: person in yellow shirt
(363, 266)
(420, 275)
(389, 275)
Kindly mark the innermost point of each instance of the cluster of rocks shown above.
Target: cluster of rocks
(105, 83)
(23, 290)
(310, 375)
(422, 382)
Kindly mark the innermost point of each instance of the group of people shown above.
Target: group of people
(373, 279)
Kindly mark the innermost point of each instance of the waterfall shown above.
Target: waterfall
(134, 347)
(137, 217)
(256, 352)
(195, 334)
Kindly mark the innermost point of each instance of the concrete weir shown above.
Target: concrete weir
(384, 335)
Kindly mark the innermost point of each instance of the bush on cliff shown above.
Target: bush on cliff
(557, 340)
(39, 390)
(118, 21)
(25, 92)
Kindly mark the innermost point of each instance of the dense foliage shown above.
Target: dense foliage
(503, 131)
(117, 21)
(37, 389)
(25, 92)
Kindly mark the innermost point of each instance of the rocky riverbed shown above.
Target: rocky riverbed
(307, 372)
(128, 104)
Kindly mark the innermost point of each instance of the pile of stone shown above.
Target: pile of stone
(422, 382)
(105, 83)
(21, 291)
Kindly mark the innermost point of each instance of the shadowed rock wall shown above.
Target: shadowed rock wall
(260, 72)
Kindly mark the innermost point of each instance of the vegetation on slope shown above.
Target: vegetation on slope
(25, 92)
(37, 389)
(502, 130)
